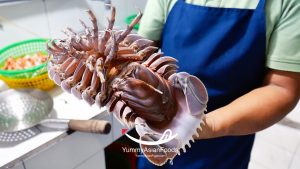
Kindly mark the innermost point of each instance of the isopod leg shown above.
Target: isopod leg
(90, 92)
(105, 36)
(130, 27)
(71, 81)
(95, 28)
(78, 89)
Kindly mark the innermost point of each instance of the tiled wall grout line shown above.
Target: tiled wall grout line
(260, 164)
(47, 17)
(294, 155)
(288, 155)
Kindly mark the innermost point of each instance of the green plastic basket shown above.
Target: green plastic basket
(34, 77)
(20, 49)
(129, 19)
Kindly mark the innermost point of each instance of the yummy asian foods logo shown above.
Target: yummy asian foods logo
(166, 137)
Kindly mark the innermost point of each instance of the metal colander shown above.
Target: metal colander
(23, 109)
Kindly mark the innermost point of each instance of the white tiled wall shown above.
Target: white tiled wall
(23, 21)
(296, 162)
(62, 14)
(278, 147)
(46, 18)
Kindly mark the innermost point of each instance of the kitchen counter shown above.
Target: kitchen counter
(65, 107)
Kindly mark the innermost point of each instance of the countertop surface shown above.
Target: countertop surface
(65, 107)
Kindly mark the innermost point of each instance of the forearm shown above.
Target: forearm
(252, 112)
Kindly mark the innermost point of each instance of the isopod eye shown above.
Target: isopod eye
(195, 94)
(174, 80)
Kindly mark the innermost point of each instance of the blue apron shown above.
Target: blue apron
(225, 48)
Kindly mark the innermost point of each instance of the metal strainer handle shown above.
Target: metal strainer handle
(92, 126)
